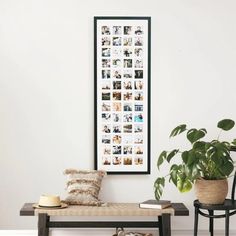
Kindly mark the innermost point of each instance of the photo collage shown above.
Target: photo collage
(121, 82)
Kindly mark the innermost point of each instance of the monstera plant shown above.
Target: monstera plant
(203, 160)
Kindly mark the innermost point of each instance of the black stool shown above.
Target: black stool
(229, 206)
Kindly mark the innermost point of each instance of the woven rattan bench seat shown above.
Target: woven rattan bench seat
(110, 209)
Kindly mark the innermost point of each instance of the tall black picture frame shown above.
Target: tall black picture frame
(122, 80)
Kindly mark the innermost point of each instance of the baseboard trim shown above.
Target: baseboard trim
(89, 232)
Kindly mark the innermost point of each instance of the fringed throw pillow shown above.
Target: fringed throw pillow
(83, 186)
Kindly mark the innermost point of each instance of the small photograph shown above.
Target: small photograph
(138, 74)
(138, 117)
(128, 74)
(116, 150)
(138, 41)
(138, 30)
(138, 128)
(116, 30)
(106, 96)
(127, 161)
(127, 106)
(106, 160)
(138, 139)
(105, 30)
(106, 117)
(138, 150)
(138, 63)
(138, 160)
(116, 139)
(127, 128)
(106, 74)
(116, 128)
(116, 160)
(127, 150)
(138, 52)
(127, 117)
(116, 41)
(116, 96)
(106, 41)
(106, 85)
(116, 117)
(138, 96)
(106, 150)
(127, 139)
(128, 96)
(116, 52)
(127, 84)
(106, 139)
(138, 85)
(127, 41)
(106, 106)
(116, 84)
(116, 106)
(138, 107)
(106, 52)
(116, 74)
(106, 63)
(116, 63)
(127, 52)
(127, 63)
(127, 30)
(106, 128)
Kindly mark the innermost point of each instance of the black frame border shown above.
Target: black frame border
(148, 18)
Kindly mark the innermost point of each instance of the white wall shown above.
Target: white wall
(46, 92)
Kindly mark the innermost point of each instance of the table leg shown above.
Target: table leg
(227, 223)
(43, 220)
(211, 221)
(196, 221)
(160, 226)
(164, 225)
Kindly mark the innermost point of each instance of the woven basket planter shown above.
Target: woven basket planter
(211, 191)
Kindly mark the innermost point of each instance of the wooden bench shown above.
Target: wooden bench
(163, 221)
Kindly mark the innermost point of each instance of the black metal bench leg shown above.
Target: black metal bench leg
(43, 220)
(196, 221)
(227, 223)
(164, 225)
(211, 223)
(160, 226)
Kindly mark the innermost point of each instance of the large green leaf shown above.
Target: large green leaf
(172, 154)
(184, 156)
(217, 159)
(227, 168)
(194, 135)
(223, 148)
(173, 177)
(173, 174)
(161, 158)
(226, 124)
(178, 130)
(199, 145)
(192, 157)
(159, 184)
(183, 184)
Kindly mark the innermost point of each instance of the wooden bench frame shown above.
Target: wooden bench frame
(163, 221)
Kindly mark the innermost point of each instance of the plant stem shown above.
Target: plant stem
(219, 135)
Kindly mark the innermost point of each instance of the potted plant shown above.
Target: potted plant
(205, 164)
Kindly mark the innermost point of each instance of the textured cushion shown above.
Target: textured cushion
(83, 187)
